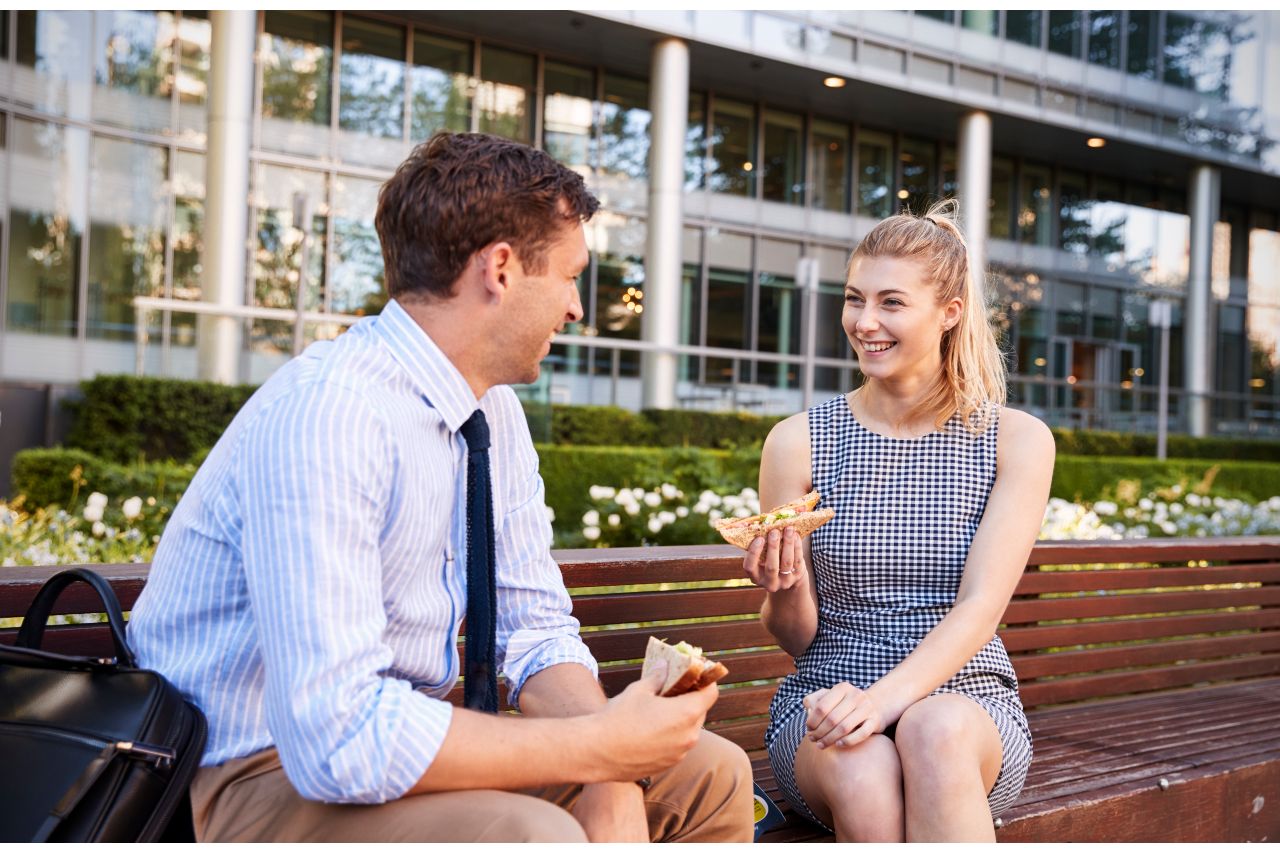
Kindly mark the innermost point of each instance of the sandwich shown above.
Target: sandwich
(799, 514)
(687, 669)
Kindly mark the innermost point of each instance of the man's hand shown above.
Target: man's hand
(639, 733)
(613, 811)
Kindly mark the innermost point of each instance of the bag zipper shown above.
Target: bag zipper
(160, 756)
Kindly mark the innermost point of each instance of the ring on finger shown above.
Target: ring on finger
(792, 572)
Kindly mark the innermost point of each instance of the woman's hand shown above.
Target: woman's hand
(775, 561)
(842, 716)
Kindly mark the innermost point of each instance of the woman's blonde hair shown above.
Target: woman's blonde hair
(973, 370)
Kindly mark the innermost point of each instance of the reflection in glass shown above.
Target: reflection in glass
(1069, 308)
(691, 320)
(875, 174)
(371, 91)
(945, 15)
(830, 340)
(357, 284)
(950, 172)
(1142, 33)
(46, 226)
(1264, 267)
(53, 67)
(1232, 349)
(297, 59)
(1065, 33)
(1264, 350)
(133, 69)
(620, 281)
(1104, 39)
(277, 254)
(1104, 306)
(128, 206)
(829, 152)
(980, 21)
(1035, 214)
(1108, 219)
(919, 173)
(778, 329)
(504, 96)
(624, 128)
(695, 143)
(1000, 222)
(1073, 213)
(567, 113)
(732, 148)
(782, 161)
(188, 239)
(195, 35)
(441, 81)
(726, 320)
(1023, 27)
(1197, 54)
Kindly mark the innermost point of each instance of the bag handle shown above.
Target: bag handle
(33, 624)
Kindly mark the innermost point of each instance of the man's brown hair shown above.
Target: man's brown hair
(459, 192)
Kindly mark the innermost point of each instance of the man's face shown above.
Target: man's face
(539, 306)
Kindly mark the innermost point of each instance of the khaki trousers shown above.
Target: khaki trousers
(706, 797)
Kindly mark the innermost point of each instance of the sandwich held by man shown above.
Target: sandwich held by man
(308, 591)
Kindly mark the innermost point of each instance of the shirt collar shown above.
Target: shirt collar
(433, 375)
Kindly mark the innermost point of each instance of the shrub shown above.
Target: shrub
(65, 477)
(723, 430)
(1083, 479)
(599, 425)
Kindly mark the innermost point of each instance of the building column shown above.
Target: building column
(669, 106)
(1204, 198)
(226, 207)
(974, 178)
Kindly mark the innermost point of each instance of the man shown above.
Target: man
(308, 590)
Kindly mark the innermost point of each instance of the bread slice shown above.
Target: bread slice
(799, 514)
(686, 670)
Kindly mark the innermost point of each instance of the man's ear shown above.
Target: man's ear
(497, 266)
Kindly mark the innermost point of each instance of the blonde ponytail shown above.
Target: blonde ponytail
(973, 370)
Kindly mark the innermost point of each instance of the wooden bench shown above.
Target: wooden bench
(1150, 669)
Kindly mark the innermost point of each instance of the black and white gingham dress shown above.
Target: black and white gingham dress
(887, 569)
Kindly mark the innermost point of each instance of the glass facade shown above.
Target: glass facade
(103, 135)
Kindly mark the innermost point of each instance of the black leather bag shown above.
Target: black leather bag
(93, 749)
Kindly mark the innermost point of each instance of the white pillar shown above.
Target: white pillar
(974, 178)
(669, 106)
(1204, 201)
(226, 208)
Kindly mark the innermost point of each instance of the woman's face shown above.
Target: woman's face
(893, 319)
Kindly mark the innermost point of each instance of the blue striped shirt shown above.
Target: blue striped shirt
(308, 590)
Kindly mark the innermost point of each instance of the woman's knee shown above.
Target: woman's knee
(858, 773)
(945, 735)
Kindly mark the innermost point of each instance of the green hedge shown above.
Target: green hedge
(129, 419)
(1100, 443)
(1088, 478)
(65, 477)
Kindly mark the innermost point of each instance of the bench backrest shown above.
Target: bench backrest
(1088, 620)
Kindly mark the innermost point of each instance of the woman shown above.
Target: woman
(902, 721)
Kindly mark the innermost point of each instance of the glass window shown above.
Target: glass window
(620, 281)
(624, 128)
(728, 279)
(945, 15)
(128, 206)
(4, 36)
(1023, 27)
(1172, 262)
(133, 69)
(980, 21)
(195, 34)
(829, 151)
(46, 226)
(950, 172)
(1035, 214)
(1142, 33)
(1104, 307)
(1232, 347)
(188, 239)
(691, 302)
(1264, 350)
(1197, 54)
(919, 174)
(441, 80)
(356, 284)
(504, 97)
(1264, 267)
(778, 328)
(782, 161)
(875, 174)
(732, 148)
(278, 249)
(1069, 304)
(695, 143)
(371, 93)
(1065, 33)
(297, 61)
(1108, 221)
(1000, 222)
(1073, 213)
(1104, 39)
(54, 64)
(568, 114)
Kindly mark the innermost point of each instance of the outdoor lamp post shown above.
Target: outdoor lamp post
(1161, 316)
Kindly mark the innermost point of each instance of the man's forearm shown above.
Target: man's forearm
(563, 690)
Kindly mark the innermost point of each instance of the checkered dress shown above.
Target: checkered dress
(887, 569)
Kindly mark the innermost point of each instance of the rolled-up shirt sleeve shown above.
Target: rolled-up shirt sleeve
(536, 628)
(313, 473)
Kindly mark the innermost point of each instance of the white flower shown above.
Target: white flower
(1146, 504)
(637, 492)
(667, 517)
(97, 499)
(614, 519)
(652, 499)
(1105, 508)
(133, 507)
(99, 528)
(551, 515)
(670, 492)
(93, 512)
(742, 512)
(700, 508)
(655, 524)
(682, 511)
(715, 515)
(591, 518)
(631, 508)
(602, 493)
(1193, 499)
(591, 533)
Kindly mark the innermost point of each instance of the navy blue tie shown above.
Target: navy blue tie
(480, 688)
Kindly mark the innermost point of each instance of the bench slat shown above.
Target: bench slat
(1019, 638)
(1080, 607)
(629, 643)
(1095, 660)
(738, 702)
(1091, 579)
(1071, 689)
(631, 607)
